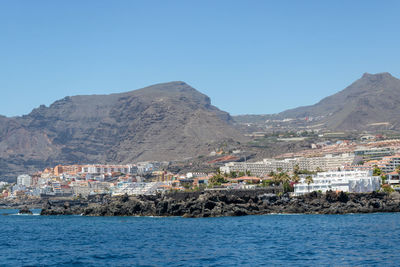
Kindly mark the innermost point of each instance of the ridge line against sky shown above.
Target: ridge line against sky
(249, 57)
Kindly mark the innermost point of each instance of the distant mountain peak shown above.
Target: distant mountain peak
(370, 100)
(166, 121)
(174, 86)
(377, 76)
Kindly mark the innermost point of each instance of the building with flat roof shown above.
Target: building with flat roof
(389, 164)
(263, 168)
(346, 181)
(24, 180)
(67, 169)
(374, 153)
(105, 169)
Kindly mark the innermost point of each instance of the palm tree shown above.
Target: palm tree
(276, 178)
(284, 177)
(309, 180)
(296, 169)
(398, 169)
(295, 178)
(280, 177)
(376, 171)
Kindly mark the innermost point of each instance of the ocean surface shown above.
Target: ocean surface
(270, 240)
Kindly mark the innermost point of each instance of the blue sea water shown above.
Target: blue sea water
(270, 240)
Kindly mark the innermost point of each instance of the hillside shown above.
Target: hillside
(369, 103)
(162, 122)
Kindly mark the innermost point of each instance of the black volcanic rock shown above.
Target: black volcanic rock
(229, 203)
(25, 210)
(162, 122)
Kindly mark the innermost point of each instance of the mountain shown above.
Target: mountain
(169, 121)
(369, 103)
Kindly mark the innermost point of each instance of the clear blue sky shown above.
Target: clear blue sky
(251, 57)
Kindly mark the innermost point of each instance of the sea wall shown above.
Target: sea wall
(226, 203)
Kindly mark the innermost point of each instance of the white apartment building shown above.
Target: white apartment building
(262, 168)
(105, 169)
(25, 180)
(374, 153)
(137, 188)
(346, 181)
(328, 162)
(389, 164)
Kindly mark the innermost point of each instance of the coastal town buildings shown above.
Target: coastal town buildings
(389, 164)
(149, 188)
(151, 177)
(85, 180)
(374, 153)
(24, 180)
(263, 168)
(85, 188)
(105, 169)
(67, 169)
(346, 181)
(393, 179)
(94, 170)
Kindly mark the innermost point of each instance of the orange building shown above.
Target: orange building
(67, 169)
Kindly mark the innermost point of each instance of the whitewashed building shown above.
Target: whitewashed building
(105, 169)
(346, 181)
(24, 180)
(136, 188)
(327, 162)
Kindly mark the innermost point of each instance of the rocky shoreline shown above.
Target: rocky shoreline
(34, 203)
(225, 203)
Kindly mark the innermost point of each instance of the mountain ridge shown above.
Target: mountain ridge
(367, 102)
(167, 121)
(173, 121)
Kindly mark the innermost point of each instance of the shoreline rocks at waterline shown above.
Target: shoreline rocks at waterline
(25, 210)
(226, 203)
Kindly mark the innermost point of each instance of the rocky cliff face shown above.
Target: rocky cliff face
(161, 122)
